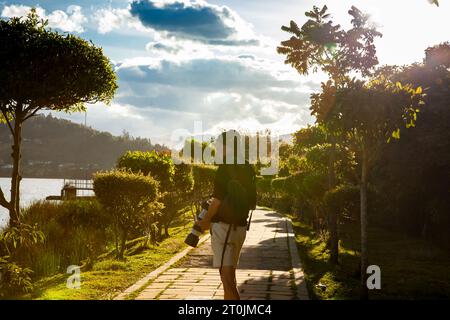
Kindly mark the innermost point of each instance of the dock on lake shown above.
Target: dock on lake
(71, 190)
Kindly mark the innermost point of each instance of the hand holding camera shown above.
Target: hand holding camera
(203, 224)
(199, 227)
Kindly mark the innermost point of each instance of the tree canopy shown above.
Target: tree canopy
(42, 68)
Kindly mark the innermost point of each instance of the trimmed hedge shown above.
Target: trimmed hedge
(128, 198)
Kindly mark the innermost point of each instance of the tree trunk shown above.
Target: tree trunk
(116, 240)
(364, 249)
(159, 231)
(166, 231)
(123, 241)
(3, 202)
(333, 215)
(14, 208)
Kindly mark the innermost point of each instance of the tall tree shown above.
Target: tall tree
(370, 114)
(321, 44)
(42, 69)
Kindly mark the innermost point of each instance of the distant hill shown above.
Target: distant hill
(57, 148)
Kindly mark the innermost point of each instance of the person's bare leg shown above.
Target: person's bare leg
(228, 277)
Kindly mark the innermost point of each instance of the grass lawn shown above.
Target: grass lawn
(410, 268)
(109, 277)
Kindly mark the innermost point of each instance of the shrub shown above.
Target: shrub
(176, 182)
(179, 195)
(74, 231)
(278, 185)
(284, 189)
(264, 191)
(204, 176)
(13, 240)
(128, 198)
(344, 199)
(157, 164)
(13, 278)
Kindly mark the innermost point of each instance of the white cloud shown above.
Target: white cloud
(222, 92)
(108, 20)
(71, 21)
(119, 20)
(225, 31)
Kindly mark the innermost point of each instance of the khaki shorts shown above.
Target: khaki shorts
(234, 244)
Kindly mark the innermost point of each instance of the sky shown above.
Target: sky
(215, 61)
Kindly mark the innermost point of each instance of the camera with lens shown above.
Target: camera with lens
(193, 237)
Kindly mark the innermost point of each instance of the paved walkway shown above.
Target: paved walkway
(269, 267)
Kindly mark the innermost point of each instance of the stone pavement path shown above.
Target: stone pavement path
(269, 267)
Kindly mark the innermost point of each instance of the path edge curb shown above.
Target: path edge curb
(297, 269)
(155, 273)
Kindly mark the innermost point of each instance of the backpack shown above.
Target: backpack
(240, 197)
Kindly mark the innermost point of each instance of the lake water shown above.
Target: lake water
(30, 190)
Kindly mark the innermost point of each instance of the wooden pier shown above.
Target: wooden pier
(70, 188)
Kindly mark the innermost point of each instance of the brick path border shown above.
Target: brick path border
(155, 273)
(300, 282)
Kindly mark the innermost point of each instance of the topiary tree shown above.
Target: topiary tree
(128, 197)
(157, 164)
(45, 70)
(160, 166)
(204, 176)
(178, 196)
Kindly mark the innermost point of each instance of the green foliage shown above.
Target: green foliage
(176, 184)
(178, 196)
(375, 111)
(74, 233)
(309, 137)
(119, 190)
(343, 199)
(183, 178)
(14, 278)
(278, 184)
(203, 179)
(405, 182)
(204, 176)
(263, 191)
(21, 236)
(414, 171)
(43, 69)
(320, 43)
(263, 184)
(196, 150)
(128, 198)
(108, 277)
(407, 264)
(67, 70)
(157, 164)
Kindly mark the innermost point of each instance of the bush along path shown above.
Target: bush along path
(269, 268)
